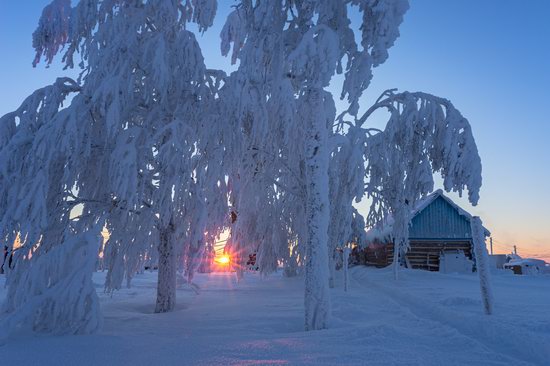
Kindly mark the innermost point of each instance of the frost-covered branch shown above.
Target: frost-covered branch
(424, 134)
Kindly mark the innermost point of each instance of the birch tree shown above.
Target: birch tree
(424, 134)
(134, 123)
(304, 44)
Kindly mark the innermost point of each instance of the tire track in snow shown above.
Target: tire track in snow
(516, 343)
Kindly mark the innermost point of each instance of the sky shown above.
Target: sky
(489, 57)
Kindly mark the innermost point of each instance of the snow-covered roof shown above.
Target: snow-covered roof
(526, 262)
(382, 230)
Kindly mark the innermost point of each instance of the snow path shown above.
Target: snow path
(423, 319)
(496, 333)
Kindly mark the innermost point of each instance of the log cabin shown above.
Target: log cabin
(438, 227)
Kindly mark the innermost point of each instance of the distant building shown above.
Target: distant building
(523, 266)
(439, 229)
(498, 260)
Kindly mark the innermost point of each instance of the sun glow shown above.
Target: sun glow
(223, 259)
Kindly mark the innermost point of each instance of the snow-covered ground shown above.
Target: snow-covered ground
(423, 319)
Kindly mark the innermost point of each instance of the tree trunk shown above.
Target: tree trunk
(345, 261)
(317, 297)
(166, 286)
(331, 270)
(239, 269)
(396, 250)
(482, 264)
(401, 216)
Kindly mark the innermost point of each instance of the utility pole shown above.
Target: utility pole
(515, 250)
(491, 241)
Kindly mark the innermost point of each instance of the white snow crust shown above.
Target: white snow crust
(424, 318)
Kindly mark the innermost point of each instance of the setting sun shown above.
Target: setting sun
(224, 259)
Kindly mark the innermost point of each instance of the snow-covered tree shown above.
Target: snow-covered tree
(49, 280)
(424, 134)
(290, 51)
(126, 151)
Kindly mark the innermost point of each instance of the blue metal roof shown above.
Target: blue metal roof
(439, 219)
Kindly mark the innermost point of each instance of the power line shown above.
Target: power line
(501, 248)
(501, 243)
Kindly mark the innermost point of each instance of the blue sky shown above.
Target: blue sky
(489, 57)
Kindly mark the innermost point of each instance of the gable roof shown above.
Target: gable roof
(382, 230)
